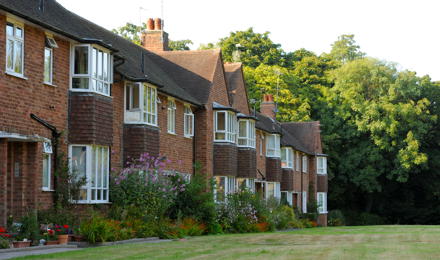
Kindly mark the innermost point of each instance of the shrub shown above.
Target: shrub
(96, 229)
(370, 219)
(336, 218)
(29, 227)
(4, 243)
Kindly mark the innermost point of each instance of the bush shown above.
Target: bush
(336, 218)
(96, 229)
(29, 228)
(4, 243)
(370, 219)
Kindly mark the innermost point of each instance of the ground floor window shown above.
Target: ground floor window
(322, 202)
(247, 183)
(224, 185)
(287, 197)
(273, 189)
(91, 162)
(46, 171)
(304, 202)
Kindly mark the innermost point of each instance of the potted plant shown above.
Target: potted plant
(21, 242)
(62, 233)
(51, 239)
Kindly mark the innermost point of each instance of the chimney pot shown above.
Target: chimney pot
(158, 24)
(268, 107)
(150, 24)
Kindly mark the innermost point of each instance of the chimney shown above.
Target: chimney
(154, 38)
(268, 107)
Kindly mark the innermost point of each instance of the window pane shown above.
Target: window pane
(100, 65)
(47, 65)
(221, 121)
(99, 170)
(18, 32)
(93, 170)
(242, 129)
(46, 170)
(94, 57)
(105, 66)
(82, 83)
(105, 169)
(81, 65)
(18, 57)
(220, 136)
(79, 161)
(9, 30)
(135, 98)
(10, 54)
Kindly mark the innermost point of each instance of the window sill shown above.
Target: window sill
(171, 133)
(20, 76)
(289, 168)
(322, 174)
(49, 84)
(324, 212)
(89, 91)
(224, 141)
(188, 136)
(47, 190)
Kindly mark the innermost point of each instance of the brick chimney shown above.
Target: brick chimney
(154, 38)
(268, 107)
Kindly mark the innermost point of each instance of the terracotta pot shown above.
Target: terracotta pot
(51, 243)
(63, 239)
(21, 244)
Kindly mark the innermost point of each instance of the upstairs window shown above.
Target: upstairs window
(321, 167)
(305, 164)
(287, 157)
(140, 104)
(273, 145)
(188, 122)
(92, 69)
(171, 116)
(48, 65)
(225, 126)
(14, 49)
(297, 161)
(246, 133)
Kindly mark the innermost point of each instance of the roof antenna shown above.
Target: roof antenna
(278, 73)
(41, 6)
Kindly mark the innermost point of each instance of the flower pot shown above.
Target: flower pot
(63, 239)
(21, 244)
(51, 243)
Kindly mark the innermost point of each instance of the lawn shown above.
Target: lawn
(371, 242)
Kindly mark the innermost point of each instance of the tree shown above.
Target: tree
(345, 49)
(132, 33)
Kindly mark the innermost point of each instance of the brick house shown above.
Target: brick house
(71, 87)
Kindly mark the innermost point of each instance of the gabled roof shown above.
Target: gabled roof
(137, 66)
(236, 87)
(267, 124)
(304, 136)
(194, 70)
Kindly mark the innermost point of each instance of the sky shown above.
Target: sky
(405, 32)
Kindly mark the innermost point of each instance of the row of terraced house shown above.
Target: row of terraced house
(71, 87)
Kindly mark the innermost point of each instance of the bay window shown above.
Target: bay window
(273, 145)
(321, 167)
(322, 202)
(188, 122)
(273, 189)
(224, 126)
(14, 48)
(246, 183)
(246, 133)
(305, 164)
(297, 161)
(287, 157)
(171, 116)
(224, 185)
(92, 69)
(92, 163)
(140, 104)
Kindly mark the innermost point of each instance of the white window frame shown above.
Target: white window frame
(105, 174)
(171, 116)
(47, 156)
(230, 187)
(305, 164)
(322, 202)
(147, 112)
(15, 41)
(230, 127)
(248, 140)
(304, 202)
(188, 121)
(321, 165)
(93, 70)
(287, 158)
(288, 197)
(275, 150)
(297, 161)
(50, 81)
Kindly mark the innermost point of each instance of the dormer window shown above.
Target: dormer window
(273, 145)
(92, 69)
(225, 126)
(246, 133)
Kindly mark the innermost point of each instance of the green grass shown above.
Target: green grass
(371, 242)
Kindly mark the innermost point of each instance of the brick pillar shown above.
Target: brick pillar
(3, 181)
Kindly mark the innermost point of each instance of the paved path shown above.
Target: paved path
(35, 252)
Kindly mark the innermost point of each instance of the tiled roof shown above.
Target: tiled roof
(267, 124)
(236, 87)
(305, 135)
(56, 18)
(194, 70)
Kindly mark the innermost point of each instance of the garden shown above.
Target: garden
(148, 201)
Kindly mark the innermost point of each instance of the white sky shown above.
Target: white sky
(400, 31)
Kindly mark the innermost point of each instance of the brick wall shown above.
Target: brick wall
(225, 159)
(273, 169)
(116, 154)
(90, 119)
(322, 181)
(176, 147)
(139, 139)
(287, 180)
(247, 163)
